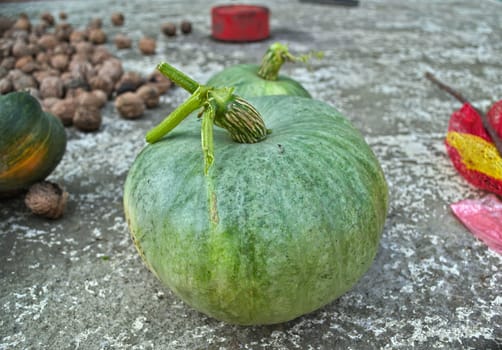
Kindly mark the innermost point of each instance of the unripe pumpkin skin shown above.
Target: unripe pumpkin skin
(247, 82)
(276, 229)
(32, 142)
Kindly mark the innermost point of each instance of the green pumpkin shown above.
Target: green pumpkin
(252, 80)
(32, 142)
(276, 229)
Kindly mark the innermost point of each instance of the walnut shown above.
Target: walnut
(48, 41)
(51, 86)
(63, 15)
(43, 58)
(112, 69)
(5, 48)
(147, 46)
(59, 61)
(39, 29)
(100, 55)
(100, 96)
(20, 49)
(91, 100)
(186, 27)
(87, 118)
(21, 81)
(122, 41)
(150, 95)
(26, 64)
(117, 19)
(130, 81)
(64, 110)
(8, 62)
(5, 85)
(84, 49)
(95, 23)
(47, 18)
(46, 199)
(100, 82)
(63, 31)
(64, 48)
(78, 36)
(82, 69)
(23, 23)
(42, 74)
(48, 102)
(161, 82)
(130, 105)
(97, 36)
(73, 80)
(169, 29)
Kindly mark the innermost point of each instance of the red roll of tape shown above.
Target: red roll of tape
(240, 23)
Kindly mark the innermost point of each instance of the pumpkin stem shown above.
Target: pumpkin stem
(238, 117)
(194, 102)
(178, 77)
(275, 57)
(219, 107)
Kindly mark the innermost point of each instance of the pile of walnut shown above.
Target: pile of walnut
(71, 72)
(73, 75)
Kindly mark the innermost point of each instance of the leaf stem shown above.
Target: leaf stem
(484, 119)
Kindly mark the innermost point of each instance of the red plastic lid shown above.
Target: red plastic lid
(240, 23)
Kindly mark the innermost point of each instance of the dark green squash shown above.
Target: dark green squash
(252, 80)
(275, 229)
(32, 142)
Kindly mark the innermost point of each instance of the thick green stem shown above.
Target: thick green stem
(178, 77)
(272, 61)
(275, 57)
(193, 103)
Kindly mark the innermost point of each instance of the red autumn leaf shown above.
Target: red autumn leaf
(471, 149)
(495, 117)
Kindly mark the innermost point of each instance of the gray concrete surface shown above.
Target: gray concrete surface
(77, 283)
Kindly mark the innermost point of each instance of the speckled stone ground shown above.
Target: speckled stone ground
(77, 283)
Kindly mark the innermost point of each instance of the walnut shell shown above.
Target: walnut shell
(169, 29)
(161, 82)
(112, 69)
(186, 27)
(97, 36)
(59, 61)
(117, 19)
(47, 18)
(51, 86)
(46, 199)
(48, 41)
(64, 110)
(87, 118)
(130, 105)
(150, 95)
(122, 41)
(5, 85)
(147, 46)
(130, 81)
(101, 82)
